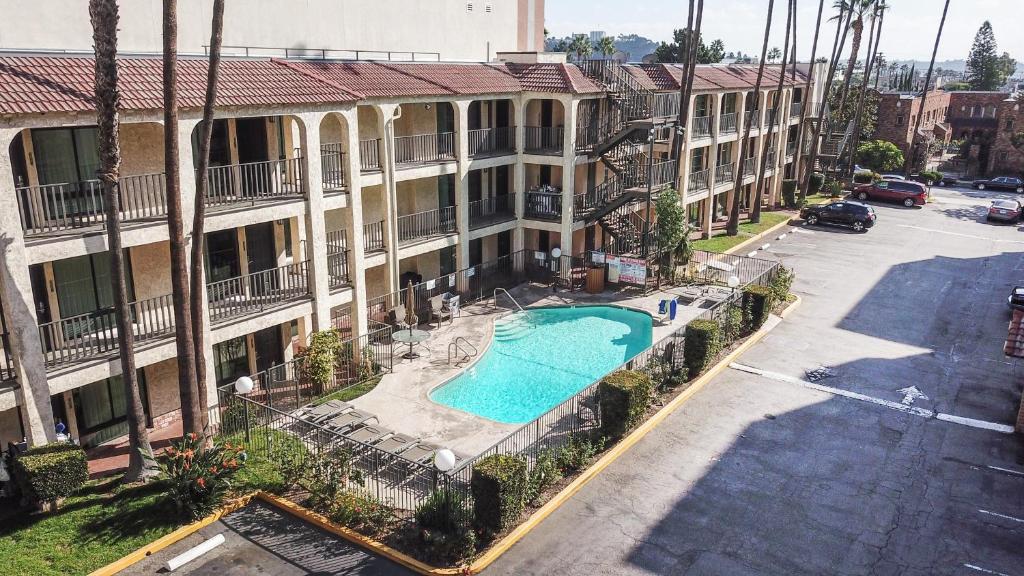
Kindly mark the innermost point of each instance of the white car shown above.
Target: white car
(892, 177)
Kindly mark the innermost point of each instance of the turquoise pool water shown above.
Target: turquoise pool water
(542, 357)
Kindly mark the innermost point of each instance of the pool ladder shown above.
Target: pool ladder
(520, 308)
(454, 348)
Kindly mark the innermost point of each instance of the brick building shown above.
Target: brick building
(1006, 158)
(897, 114)
(973, 119)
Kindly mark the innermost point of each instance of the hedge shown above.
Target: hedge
(865, 177)
(499, 485)
(701, 344)
(789, 193)
(817, 181)
(49, 473)
(624, 397)
(757, 304)
(931, 175)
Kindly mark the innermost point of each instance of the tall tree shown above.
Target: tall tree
(104, 16)
(774, 54)
(807, 104)
(857, 10)
(770, 138)
(877, 19)
(733, 226)
(580, 46)
(681, 38)
(188, 390)
(695, 20)
(606, 46)
(983, 65)
(911, 159)
(199, 216)
(880, 64)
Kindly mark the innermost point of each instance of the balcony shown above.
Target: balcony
(753, 119)
(665, 105)
(727, 123)
(492, 141)
(257, 291)
(699, 180)
(544, 203)
(725, 174)
(430, 223)
(748, 166)
(54, 208)
(663, 174)
(425, 148)
(544, 140)
(373, 236)
(246, 184)
(332, 165)
(702, 127)
(94, 335)
(492, 210)
(337, 259)
(796, 109)
(369, 155)
(790, 149)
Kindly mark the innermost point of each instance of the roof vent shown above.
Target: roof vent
(469, 6)
(487, 8)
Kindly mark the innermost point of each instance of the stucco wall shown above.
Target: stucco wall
(151, 269)
(331, 131)
(142, 149)
(162, 385)
(417, 195)
(10, 430)
(427, 265)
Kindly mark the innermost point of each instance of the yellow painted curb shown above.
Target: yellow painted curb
(168, 539)
(619, 449)
(355, 537)
(747, 243)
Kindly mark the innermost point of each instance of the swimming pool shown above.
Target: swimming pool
(543, 356)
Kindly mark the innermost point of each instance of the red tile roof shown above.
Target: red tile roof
(65, 84)
(717, 76)
(557, 78)
(385, 79)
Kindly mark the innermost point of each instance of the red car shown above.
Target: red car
(903, 191)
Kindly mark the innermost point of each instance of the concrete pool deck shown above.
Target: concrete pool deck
(401, 400)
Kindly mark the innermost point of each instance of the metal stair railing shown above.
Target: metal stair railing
(454, 348)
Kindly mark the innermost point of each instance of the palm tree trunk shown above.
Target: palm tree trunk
(187, 389)
(873, 40)
(104, 17)
(769, 140)
(733, 226)
(908, 162)
(199, 218)
(803, 113)
(858, 33)
(684, 107)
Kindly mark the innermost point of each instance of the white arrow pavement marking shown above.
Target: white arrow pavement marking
(911, 393)
(1003, 516)
(984, 570)
(765, 246)
(914, 410)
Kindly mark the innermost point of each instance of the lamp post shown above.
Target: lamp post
(245, 385)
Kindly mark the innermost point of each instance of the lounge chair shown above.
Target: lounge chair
(395, 443)
(439, 311)
(347, 420)
(323, 411)
(368, 434)
(421, 453)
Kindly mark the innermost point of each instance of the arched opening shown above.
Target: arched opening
(545, 127)
(424, 133)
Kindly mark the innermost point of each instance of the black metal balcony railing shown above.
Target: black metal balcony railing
(748, 166)
(337, 269)
(727, 123)
(248, 183)
(337, 241)
(492, 210)
(699, 180)
(373, 236)
(425, 148)
(770, 164)
(544, 139)
(753, 118)
(94, 334)
(332, 164)
(702, 127)
(369, 155)
(437, 222)
(257, 291)
(796, 109)
(663, 173)
(725, 174)
(543, 205)
(790, 149)
(492, 141)
(57, 207)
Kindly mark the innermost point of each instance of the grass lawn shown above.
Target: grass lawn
(747, 231)
(98, 525)
(350, 393)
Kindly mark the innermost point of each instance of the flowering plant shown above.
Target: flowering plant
(199, 477)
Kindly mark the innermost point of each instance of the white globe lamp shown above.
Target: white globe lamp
(244, 385)
(556, 252)
(444, 460)
(734, 281)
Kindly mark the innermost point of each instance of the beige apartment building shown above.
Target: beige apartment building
(333, 184)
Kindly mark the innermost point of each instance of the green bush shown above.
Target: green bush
(451, 547)
(817, 181)
(362, 512)
(879, 155)
(789, 193)
(833, 188)
(757, 305)
(441, 519)
(865, 177)
(577, 453)
(732, 325)
(49, 473)
(544, 474)
(932, 176)
(623, 395)
(781, 284)
(199, 478)
(701, 344)
(499, 492)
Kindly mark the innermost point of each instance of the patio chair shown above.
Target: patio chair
(438, 310)
(368, 434)
(400, 318)
(421, 453)
(395, 443)
(347, 420)
(323, 411)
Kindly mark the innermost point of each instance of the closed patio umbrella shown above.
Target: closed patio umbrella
(410, 306)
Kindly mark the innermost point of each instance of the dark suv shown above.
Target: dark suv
(1001, 183)
(858, 216)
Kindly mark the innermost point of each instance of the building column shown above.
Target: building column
(26, 352)
(709, 214)
(519, 174)
(316, 233)
(356, 245)
(462, 182)
(568, 174)
(386, 133)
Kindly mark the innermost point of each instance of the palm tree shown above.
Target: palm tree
(199, 218)
(880, 63)
(580, 46)
(733, 226)
(858, 9)
(769, 139)
(104, 17)
(908, 162)
(877, 18)
(606, 46)
(188, 390)
(774, 54)
(807, 95)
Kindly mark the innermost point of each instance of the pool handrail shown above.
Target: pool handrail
(499, 289)
(454, 346)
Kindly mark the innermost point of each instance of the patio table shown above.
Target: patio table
(410, 336)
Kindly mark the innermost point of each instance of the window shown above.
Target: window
(469, 6)
(65, 154)
(1009, 124)
(232, 358)
(101, 408)
(899, 120)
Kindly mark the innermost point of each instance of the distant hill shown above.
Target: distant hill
(953, 65)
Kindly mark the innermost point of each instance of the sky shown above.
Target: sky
(909, 32)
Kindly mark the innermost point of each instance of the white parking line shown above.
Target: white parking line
(984, 570)
(1007, 470)
(1003, 516)
(899, 407)
(972, 236)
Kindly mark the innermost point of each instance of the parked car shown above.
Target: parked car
(948, 180)
(907, 193)
(1016, 298)
(1004, 211)
(893, 177)
(1001, 183)
(858, 216)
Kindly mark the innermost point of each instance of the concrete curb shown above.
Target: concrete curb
(752, 241)
(172, 538)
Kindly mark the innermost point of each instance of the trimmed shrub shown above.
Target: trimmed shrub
(50, 473)
(700, 346)
(789, 193)
(577, 453)
(499, 492)
(930, 176)
(817, 181)
(757, 304)
(865, 177)
(833, 188)
(781, 284)
(441, 521)
(544, 474)
(362, 512)
(623, 395)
